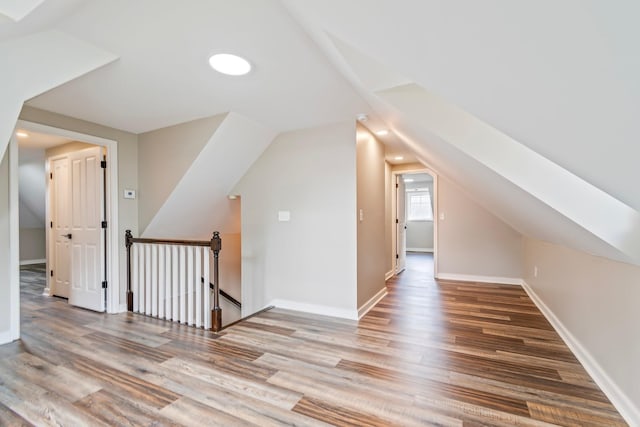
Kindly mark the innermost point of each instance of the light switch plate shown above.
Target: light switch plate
(129, 194)
(284, 216)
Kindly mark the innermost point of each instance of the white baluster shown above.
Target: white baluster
(142, 293)
(161, 281)
(206, 293)
(190, 280)
(198, 285)
(147, 282)
(134, 276)
(168, 283)
(183, 285)
(175, 288)
(154, 280)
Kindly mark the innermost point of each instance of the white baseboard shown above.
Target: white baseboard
(389, 274)
(629, 411)
(33, 261)
(122, 308)
(6, 337)
(481, 279)
(315, 309)
(46, 292)
(429, 250)
(372, 302)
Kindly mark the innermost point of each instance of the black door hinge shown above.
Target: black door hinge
(103, 164)
(104, 284)
(397, 221)
(397, 256)
(51, 175)
(104, 224)
(51, 224)
(397, 185)
(51, 273)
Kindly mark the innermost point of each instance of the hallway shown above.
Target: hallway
(429, 353)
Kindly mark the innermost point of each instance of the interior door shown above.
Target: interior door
(87, 259)
(401, 225)
(61, 226)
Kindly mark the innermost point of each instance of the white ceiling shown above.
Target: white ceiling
(559, 77)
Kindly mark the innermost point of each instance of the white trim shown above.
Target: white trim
(122, 307)
(33, 261)
(14, 241)
(372, 302)
(389, 274)
(46, 292)
(113, 239)
(6, 337)
(324, 310)
(427, 250)
(481, 279)
(621, 401)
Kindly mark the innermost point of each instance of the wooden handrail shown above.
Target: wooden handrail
(170, 241)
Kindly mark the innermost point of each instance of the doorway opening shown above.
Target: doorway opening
(415, 222)
(67, 221)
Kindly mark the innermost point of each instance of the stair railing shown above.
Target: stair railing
(169, 279)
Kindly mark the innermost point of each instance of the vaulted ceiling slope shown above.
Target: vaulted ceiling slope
(531, 106)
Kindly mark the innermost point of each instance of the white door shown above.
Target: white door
(61, 226)
(87, 244)
(401, 225)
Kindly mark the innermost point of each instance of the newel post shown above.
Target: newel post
(216, 312)
(128, 242)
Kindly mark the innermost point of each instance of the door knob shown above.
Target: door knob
(68, 236)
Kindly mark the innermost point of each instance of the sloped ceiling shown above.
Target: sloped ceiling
(558, 80)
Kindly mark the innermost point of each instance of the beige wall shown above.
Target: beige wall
(370, 175)
(32, 244)
(5, 249)
(420, 236)
(230, 278)
(309, 261)
(596, 300)
(164, 157)
(127, 170)
(473, 242)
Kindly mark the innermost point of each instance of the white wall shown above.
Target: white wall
(472, 242)
(596, 300)
(370, 175)
(420, 236)
(310, 261)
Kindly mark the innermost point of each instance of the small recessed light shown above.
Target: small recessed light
(231, 65)
(362, 117)
(382, 132)
(233, 197)
(398, 158)
(408, 180)
(21, 134)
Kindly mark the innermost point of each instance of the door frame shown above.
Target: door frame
(436, 218)
(113, 251)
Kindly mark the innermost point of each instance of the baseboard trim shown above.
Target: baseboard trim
(122, 307)
(372, 302)
(6, 337)
(481, 279)
(389, 274)
(315, 309)
(46, 292)
(622, 403)
(33, 261)
(427, 250)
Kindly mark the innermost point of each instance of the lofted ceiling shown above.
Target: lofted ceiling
(555, 82)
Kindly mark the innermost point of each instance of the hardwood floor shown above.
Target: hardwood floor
(449, 354)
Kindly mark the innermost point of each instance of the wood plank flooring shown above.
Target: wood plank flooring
(446, 354)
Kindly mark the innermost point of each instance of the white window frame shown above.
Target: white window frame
(410, 212)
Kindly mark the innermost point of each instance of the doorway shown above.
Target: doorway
(85, 173)
(415, 220)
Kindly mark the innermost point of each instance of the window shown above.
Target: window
(419, 206)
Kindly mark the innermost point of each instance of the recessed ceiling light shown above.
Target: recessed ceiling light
(408, 180)
(398, 158)
(231, 65)
(382, 132)
(362, 117)
(21, 134)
